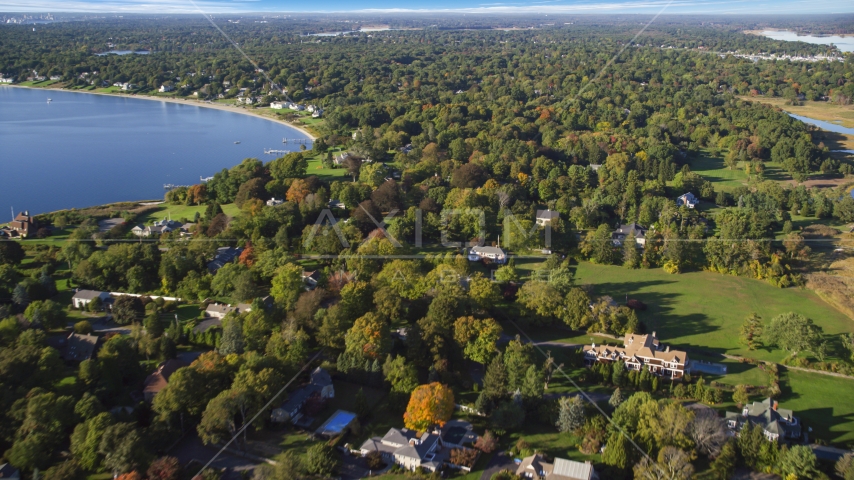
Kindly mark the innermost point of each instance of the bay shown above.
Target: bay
(844, 44)
(81, 150)
(830, 127)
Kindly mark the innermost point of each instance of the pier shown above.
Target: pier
(299, 141)
(171, 186)
(270, 151)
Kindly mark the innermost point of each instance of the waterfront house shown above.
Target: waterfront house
(4, 79)
(166, 88)
(545, 217)
(687, 200)
(56, 77)
(317, 114)
(82, 298)
(24, 224)
(277, 105)
(624, 231)
(495, 254)
(778, 424)
(639, 352)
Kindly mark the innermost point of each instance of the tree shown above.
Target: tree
(11, 253)
(402, 376)
(232, 335)
(631, 256)
(793, 332)
(708, 432)
(740, 395)
(797, 462)
(495, 379)
(47, 313)
(67, 470)
(570, 414)
(287, 285)
(751, 330)
(477, 337)
(672, 464)
(369, 337)
(597, 246)
(431, 404)
(127, 309)
(487, 442)
(508, 416)
(321, 459)
(616, 398)
(845, 467)
(618, 451)
(724, 465)
(164, 468)
(86, 440)
(123, 448)
(577, 309)
(469, 175)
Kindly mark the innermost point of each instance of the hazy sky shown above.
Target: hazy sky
(462, 6)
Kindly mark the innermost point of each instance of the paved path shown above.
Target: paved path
(497, 463)
(828, 453)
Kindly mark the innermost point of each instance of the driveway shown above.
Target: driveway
(500, 461)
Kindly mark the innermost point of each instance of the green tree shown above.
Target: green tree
(724, 464)
(793, 332)
(570, 414)
(287, 285)
(86, 440)
(402, 376)
(751, 330)
(618, 451)
(321, 460)
(740, 395)
(798, 462)
(123, 448)
(47, 313)
(232, 335)
(477, 338)
(616, 398)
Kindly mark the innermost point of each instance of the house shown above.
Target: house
(320, 384)
(496, 254)
(339, 159)
(6, 80)
(8, 472)
(640, 351)
(80, 347)
(408, 448)
(317, 113)
(277, 105)
(82, 298)
(158, 228)
(166, 88)
(624, 231)
(158, 380)
(187, 229)
(312, 108)
(310, 279)
(223, 255)
(56, 77)
(246, 100)
(777, 423)
(24, 224)
(535, 467)
(219, 310)
(545, 217)
(274, 201)
(687, 200)
(336, 204)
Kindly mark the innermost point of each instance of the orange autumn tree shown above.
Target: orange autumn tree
(298, 191)
(429, 405)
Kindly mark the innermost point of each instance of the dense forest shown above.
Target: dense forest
(453, 136)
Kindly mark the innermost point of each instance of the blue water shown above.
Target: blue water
(830, 127)
(844, 44)
(82, 150)
(123, 52)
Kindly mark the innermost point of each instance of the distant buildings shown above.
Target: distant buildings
(639, 352)
(494, 254)
(778, 424)
(166, 88)
(535, 467)
(157, 229)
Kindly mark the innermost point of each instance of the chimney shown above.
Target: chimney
(774, 406)
(667, 349)
(653, 334)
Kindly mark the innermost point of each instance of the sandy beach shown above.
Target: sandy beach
(195, 103)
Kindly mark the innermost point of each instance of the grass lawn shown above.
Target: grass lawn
(705, 310)
(315, 167)
(822, 402)
(178, 212)
(714, 170)
(547, 439)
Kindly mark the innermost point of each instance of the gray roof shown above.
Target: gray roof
(223, 256)
(571, 469)
(321, 377)
(547, 214)
(80, 347)
(8, 471)
(485, 250)
(399, 436)
(638, 230)
(87, 294)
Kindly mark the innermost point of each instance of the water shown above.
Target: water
(348, 32)
(123, 52)
(844, 44)
(830, 127)
(82, 150)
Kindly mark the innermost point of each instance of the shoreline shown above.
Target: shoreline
(181, 101)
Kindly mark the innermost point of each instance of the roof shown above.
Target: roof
(399, 436)
(548, 214)
(158, 380)
(645, 346)
(87, 294)
(321, 377)
(226, 309)
(638, 230)
(8, 471)
(534, 464)
(80, 347)
(487, 250)
(564, 468)
(298, 398)
(223, 256)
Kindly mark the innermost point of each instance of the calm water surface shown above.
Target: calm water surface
(844, 44)
(81, 150)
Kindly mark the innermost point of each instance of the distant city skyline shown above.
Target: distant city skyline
(710, 7)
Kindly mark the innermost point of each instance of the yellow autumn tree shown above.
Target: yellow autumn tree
(369, 337)
(430, 404)
(298, 191)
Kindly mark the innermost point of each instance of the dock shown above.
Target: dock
(299, 141)
(270, 151)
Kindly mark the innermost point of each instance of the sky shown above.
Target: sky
(451, 6)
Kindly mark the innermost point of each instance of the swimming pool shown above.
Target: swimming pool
(337, 423)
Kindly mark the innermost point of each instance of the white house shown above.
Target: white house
(82, 298)
(6, 79)
(535, 467)
(277, 105)
(496, 254)
(219, 310)
(274, 201)
(688, 200)
(624, 231)
(545, 217)
(317, 113)
(166, 88)
(56, 77)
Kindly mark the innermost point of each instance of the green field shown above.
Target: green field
(822, 402)
(177, 212)
(705, 310)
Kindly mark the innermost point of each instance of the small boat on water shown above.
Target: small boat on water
(237, 142)
(48, 100)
